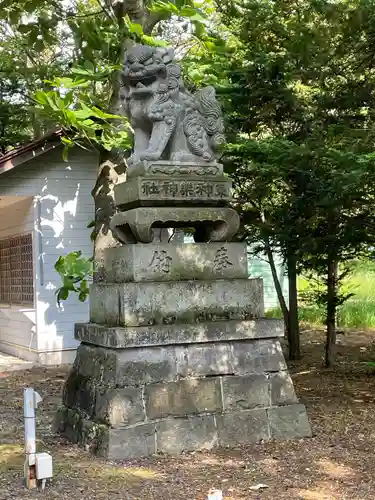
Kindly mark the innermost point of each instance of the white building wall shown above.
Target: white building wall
(61, 210)
(260, 268)
(17, 322)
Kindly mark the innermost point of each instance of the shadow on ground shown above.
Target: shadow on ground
(337, 463)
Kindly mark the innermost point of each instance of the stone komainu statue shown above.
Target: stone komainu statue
(169, 123)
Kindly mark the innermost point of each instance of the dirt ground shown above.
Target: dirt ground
(337, 463)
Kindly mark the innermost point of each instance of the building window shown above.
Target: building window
(16, 270)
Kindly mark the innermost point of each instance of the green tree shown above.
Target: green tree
(299, 103)
(78, 87)
(15, 126)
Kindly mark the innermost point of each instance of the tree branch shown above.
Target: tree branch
(152, 19)
(106, 12)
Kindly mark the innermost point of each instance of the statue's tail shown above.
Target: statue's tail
(211, 111)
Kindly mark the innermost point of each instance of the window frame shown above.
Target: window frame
(17, 283)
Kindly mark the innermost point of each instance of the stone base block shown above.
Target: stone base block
(154, 190)
(210, 223)
(128, 402)
(161, 335)
(166, 262)
(191, 433)
(189, 302)
(97, 367)
(119, 387)
(180, 169)
(288, 422)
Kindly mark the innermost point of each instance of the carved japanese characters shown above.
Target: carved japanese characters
(169, 123)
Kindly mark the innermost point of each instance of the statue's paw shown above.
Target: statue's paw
(207, 156)
(133, 160)
(150, 156)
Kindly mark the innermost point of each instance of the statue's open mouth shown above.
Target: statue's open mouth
(140, 89)
(141, 85)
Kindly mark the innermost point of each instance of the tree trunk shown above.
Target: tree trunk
(276, 281)
(293, 330)
(112, 166)
(331, 312)
(111, 171)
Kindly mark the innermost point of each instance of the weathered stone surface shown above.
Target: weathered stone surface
(217, 331)
(246, 392)
(152, 190)
(210, 223)
(61, 420)
(140, 304)
(244, 427)
(128, 442)
(282, 389)
(90, 361)
(133, 367)
(111, 443)
(174, 435)
(176, 169)
(168, 121)
(258, 357)
(137, 366)
(119, 406)
(289, 422)
(95, 363)
(186, 434)
(74, 425)
(209, 359)
(182, 398)
(235, 358)
(79, 392)
(166, 262)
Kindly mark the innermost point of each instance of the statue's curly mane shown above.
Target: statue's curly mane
(168, 100)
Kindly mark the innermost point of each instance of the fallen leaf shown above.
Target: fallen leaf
(259, 486)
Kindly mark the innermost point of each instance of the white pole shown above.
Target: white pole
(30, 400)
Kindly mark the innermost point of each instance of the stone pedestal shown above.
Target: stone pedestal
(178, 356)
(170, 194)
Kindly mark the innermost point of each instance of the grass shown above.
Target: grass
(357, 312)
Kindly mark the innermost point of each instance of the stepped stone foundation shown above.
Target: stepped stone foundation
(178, 364)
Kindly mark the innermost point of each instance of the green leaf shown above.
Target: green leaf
(83, 296)
(51, 99)
(62, 294)
(135, 28)
(60, 265)
(101, 114)
(166, 7)
(88, 65)
(74, 271)
(90, 75)
(40, 97)
(65, 152)
(69, 83)
(83, 114)
(24, 28)
(192, 13)
(150, 40)
(84, 286)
